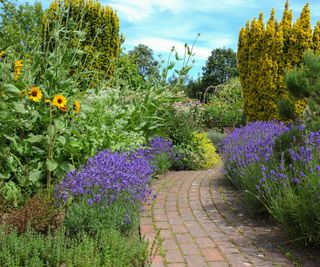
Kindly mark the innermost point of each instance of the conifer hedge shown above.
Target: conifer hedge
(265, 52)
(101, 42)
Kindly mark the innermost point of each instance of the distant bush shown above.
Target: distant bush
(224, 108)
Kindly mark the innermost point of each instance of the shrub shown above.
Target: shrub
(243, 150)
(39, 213)
(120, 215)
(108, 175)
(264, 54)
(199, 153)
(215, 138)
(224, 108)
(207, 151)
(291, 191)
(107, 248)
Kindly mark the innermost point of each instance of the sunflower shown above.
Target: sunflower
(35, 94)
(76, 106)
(17, 69)
(2, 54)
(64, 109)
(60, 102)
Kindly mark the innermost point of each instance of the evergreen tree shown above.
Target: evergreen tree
(264, 54)
(316, 38)
(95, 31)
(303, 82)
(301, 37)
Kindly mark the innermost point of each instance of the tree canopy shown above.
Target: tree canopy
(142, 56)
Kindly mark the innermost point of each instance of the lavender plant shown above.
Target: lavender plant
(291, 191)
(243, 150)
(106, 176)
(250, 144)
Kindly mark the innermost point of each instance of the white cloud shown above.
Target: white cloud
(139, 10)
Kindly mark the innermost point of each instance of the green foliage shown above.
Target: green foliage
(206, 151)
(107, 248)
(20, 26)
(303, 83)
(215, 138)
(288, 140)
(148, 67)
(80, 217)
(264, 54)
(97, 32)
(129, 72)
(163, 162)
(220, 66)
(224, 108)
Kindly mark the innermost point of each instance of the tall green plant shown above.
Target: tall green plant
(97, 32)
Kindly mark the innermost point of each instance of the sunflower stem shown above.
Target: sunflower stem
(49, 150)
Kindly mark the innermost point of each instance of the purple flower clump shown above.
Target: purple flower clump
(252, 143)
(159, 145)
(304, 164)
(108, 175)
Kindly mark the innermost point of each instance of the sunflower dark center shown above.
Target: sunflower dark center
(59, 101)
(34, 93)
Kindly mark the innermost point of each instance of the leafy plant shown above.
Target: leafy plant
(225, 107)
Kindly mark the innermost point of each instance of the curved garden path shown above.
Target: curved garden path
(200, 222)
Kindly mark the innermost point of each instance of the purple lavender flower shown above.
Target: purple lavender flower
(252, 143)
(108, 175)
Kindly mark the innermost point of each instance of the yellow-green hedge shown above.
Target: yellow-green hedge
(265, 52)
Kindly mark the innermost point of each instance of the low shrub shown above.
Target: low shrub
(199, 153)
(243, 150)
(291, 191)
(107, 248)
(216, 138)
(39, 213)
(224, 108)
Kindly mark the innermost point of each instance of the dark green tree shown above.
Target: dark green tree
(220, 67)
(304, 83)
(142, 56)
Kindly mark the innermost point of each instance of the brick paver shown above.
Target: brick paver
(199, 224)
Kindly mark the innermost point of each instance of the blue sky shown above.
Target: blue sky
(161, 24)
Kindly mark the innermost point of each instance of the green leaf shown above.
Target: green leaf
(35, 138)
(66, 166)
(10, 88)
(34, 175)
(62, 140)
(51, 164)
(59, 124)
(20, 108)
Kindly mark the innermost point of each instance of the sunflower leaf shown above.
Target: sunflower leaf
(62, 140)
(35, 138)
(20, 108)
(34, 175)
(51, 164)
(10, 88)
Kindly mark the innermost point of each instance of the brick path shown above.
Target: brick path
(199, 225)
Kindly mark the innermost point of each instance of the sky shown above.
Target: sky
(161, 24)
